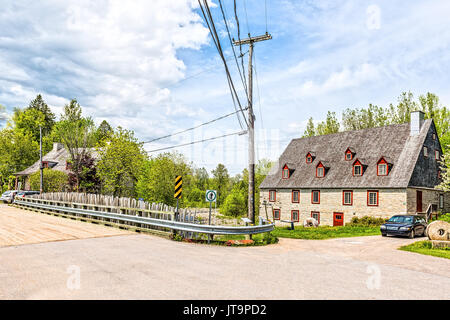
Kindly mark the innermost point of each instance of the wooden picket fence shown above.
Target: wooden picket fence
(121, 205)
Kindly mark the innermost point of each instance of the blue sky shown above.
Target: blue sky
(150, 66)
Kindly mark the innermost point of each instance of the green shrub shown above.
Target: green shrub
(269, 238)
(54, 180)
(366, 221)
(234, 205)
(445, 217)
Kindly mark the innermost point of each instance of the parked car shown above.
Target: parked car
(8, 196)
(404, 225)
(23, 194)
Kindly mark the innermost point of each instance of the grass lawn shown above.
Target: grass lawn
(325, 232)
(425, 247)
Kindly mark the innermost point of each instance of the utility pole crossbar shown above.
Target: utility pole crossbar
(250, 40)
(251, 122)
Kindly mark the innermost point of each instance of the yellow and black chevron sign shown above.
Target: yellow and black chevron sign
(178, 187)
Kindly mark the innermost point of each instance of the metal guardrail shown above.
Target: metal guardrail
(170, 224)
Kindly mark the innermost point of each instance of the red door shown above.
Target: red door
(419, 201)
(338, 219)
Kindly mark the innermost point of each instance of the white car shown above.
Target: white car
(8, 196)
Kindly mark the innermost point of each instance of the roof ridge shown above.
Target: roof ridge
(359, 130)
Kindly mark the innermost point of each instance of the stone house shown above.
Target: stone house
(57, 159)
(374, 172)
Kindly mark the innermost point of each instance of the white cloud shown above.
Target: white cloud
(114, 56)
(346, 78)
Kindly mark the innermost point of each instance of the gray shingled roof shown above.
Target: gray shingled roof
(59, 156)
(393, 142)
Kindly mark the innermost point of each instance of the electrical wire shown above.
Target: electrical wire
(239, 38)
(210, 23)
(193, 128)
(232, 47)
(200, 141)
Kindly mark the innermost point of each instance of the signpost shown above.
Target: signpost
(211, 196)
(177, 194)
(178, 191)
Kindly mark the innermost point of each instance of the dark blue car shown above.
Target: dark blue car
(404, 225)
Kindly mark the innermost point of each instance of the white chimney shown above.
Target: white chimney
(57, 146)
(416, 122)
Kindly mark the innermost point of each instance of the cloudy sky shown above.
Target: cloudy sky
(151, 66)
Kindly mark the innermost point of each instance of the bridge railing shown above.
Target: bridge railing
(137, 218)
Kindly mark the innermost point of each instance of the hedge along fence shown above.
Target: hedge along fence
(54, 180)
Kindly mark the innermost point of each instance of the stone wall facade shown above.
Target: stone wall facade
(429, 196)
(390, 202)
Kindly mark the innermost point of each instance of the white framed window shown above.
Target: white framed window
(425, 151)
(316, 215)
(441, 201)
(320, 172)
(357, 170)
(372, 198)
(295, 196)
(382, 169)
(276, 214)
(347, 198)
(272, 195)
(295, 215)
(315, 196)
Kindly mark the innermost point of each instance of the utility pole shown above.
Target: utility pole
(251, 122)
(41, 181)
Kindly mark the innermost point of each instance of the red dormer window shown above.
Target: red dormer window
(44, 164)
(285, 174)
(349, 153)
(383, 166)
(309, 158)
(320, 170)
(357, 168)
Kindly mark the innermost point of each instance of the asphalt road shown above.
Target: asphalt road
(134, 266)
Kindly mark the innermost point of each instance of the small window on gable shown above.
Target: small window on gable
(382, 169)
(349, 153)
(320, 172)
(44, 164)
(285, 173)
(437, 155)
(425, 151)
(321, 169)
(434, 136)
(309, 157)
(358, 168)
